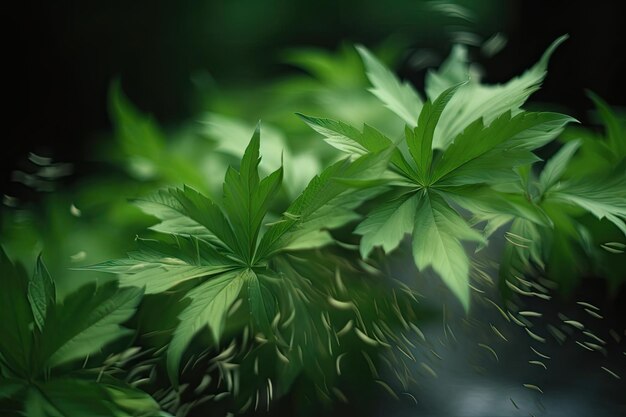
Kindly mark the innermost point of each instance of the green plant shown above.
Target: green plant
(219, 253)
(271, 296)
(47, 345)
(464, 141)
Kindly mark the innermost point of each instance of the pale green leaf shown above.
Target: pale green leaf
(604, 198)
(174, 220)
(349, 140)
(387, 224)
(437, 236)
(454, 70)
(398, 96)
(475, 100)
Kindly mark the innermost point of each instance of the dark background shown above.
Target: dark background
(63, 55)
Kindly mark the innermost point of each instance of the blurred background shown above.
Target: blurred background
(167, 53)
(99, 91)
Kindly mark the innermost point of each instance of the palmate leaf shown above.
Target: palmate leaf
(196, 214)
(437, 235)
(399, 97)
(204, 211)
(496, 208)
(228, 257)
(473, 101)
(209, 303)
(465, 135)
(87, 320)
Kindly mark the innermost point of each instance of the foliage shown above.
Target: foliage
(253, 287)
(46, 341)
(462, 142)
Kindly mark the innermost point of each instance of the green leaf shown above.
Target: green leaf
(9, 388)
(454, 70)
(66, 398)
(158, 266)
(138, 134)
(497, 208)
(41, 292)
(174, 220)
(322, 199)
(128, 399)
(344, 137)
(399, 97)
(387, 224)
(205, 212)
(260, 304)
(503, 140)
(476, 100)
(210, 302)
(349, 140)
(437, 236)
(87, 320)
(420, 139)
(615, 127)
(70, 397)
(16, 343)
(246, 198)
(555, 167)
(604, 198)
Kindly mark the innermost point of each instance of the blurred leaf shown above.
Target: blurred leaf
(555, 167)
(399, 97)
(603, 198)
(476, 100)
